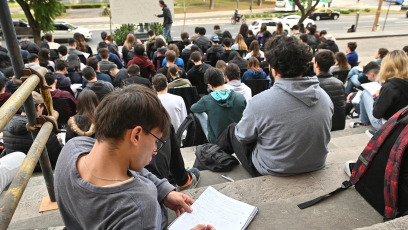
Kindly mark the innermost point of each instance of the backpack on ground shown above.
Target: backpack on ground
(195, 134)
(380, 174)
(211, 157)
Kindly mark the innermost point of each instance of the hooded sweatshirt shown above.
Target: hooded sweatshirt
(251, 74)
(223, 108)
(290, 124)
(393, 97)
(143, 62)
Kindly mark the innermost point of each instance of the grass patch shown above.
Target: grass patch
(84, 6)
(197, 6)
(19, 16)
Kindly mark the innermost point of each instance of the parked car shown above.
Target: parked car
(22, 29)
(397, 2)
(292, 20)
(65, 30)
(270, 25)
(324, 13)
(404, 6)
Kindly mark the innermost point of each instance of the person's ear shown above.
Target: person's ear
(135, 135)
(55, 81)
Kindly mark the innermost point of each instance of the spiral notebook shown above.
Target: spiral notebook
(218, 210)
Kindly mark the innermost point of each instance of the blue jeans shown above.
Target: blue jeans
(167, 32)
(203, 119)
(366, 111)
(352, 80)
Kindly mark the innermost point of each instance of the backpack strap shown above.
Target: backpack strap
(370, 151)
(391, 176)
(345, 185)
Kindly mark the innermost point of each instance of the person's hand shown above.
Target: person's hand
(203, 227)
(377, 93)
(59, 138)
(178, 202)
(349, 97)
(1, 135)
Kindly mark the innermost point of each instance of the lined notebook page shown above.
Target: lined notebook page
(222, 212)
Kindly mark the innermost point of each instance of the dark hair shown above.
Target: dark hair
(371, 66)
(159, 43)
(197, 29)
(159, 82)
(405, 49)
(133, 69)
(71, 41)
(102, 45)
(250, 32)
(382, 52)
(214, 77)
(60, 65)
(232, 72)
(175, 49)
(311, 29)
(162, 3)
(104, 53)
(341, 61)
(73, 63)
(322, 40)
(103, 35)
(87, 103)
(43, 57)
(216, 27)
(196, 56)
(173, 70)
(4, 60)
(109, 38)
(186, 42)
(128, 107)
(63, 50)
(80, 40)
(88, 73)
(323, 32)
(243, 29)
(92, 62)
(263, 28)
(150, 33)
(325, 59)
(202, 31)
(226, 34)
(254, 47)
(48, 37)
(304, 38)
(32, 57)
(139, 49)
(234, 55)
(266, 36)
(352, 46)
(196, 48)
(2, 83)
(323, 46)
(288, 56)
(171, 56)
(184, 35)
(279, 28)
(8, 72)
(227, 42)
(49, 78)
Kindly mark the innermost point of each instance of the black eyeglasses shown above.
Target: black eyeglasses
(159, 142)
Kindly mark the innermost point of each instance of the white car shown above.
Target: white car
(65, 30)
(270, 25)
(291, 20)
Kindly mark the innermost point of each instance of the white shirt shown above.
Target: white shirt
(250, 54)
(176, 108)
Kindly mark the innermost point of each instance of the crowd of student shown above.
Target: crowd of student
(124, 114)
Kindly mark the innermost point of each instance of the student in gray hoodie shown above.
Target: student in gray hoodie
(284, 130)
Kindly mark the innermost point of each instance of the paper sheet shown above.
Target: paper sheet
(356, 99)
(76, 86)
(371, 87)
(222, 212)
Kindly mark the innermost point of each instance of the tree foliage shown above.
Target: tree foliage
(305, 7)
(121, 33)
(41, 15)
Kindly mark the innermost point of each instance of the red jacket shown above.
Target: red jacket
(4, 97)
(143, 62)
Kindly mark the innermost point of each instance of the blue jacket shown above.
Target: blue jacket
(250, 74)
(352, 57)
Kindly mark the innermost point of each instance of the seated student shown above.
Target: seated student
(174, 77)
(216, 49)
(226, 43)
(57, 93)
(254, 51)
(101, 88)
(334, 87)
(179, 61)
(380, 54)
(9, 166)
(392, 96)
(405, 49)
(107, 175)
(118, 75)
(33, 61)
(341, 63)
(161, 49)
(173, 104)
(141, 60)
(250, 38)
(16, 138)
(112, 57)
(236, 58)
(82, 124)
(135, 78)
(232, 74)
(61, 70)
(44, 59)
(222, 106)
(4, 96)
(94, 63)
(355, 78)
(254, 71)
(105, 64)
(170, 57)
(196, 73)
(63, 52)
(352, 56)
(293, 119)
(202, 41)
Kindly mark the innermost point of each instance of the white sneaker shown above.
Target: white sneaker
(370, 133)
(348, 168)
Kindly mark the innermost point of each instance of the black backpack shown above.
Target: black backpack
(195, 134)
(212, 157)
(380, 174)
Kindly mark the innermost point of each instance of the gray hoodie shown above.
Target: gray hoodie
(291, 125)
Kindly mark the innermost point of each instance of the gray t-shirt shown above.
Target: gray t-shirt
(136, 204)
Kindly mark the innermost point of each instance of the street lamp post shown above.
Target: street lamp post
(237, 4)
(385, 21)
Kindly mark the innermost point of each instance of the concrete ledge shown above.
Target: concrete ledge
(399, 223)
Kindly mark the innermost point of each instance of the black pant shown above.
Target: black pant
(229, 143)
(169, 161)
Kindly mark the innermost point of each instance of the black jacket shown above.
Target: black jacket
(135, 79)
(332, 46)
(196, 77)
(17, 138)
(166, 15)
(335, 89)
(393, 97)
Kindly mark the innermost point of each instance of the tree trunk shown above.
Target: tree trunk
(211, 4)
(303, 11)
(259, 3)
(35, 26)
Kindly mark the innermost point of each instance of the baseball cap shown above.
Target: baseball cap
(37, 98)
(295, 27)
(215, 38)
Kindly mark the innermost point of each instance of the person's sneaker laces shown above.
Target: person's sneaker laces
(356, 124)
(370, 133)
(195, 178)
(348, 168)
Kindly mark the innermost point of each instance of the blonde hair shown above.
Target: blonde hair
(394, 65)
(241, 42)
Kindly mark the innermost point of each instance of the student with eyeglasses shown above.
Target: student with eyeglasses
(102, 183)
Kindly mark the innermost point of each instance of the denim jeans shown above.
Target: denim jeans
(352, 80)
(167, 32)
(366, 111)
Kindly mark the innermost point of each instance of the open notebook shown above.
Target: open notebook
(217, 209)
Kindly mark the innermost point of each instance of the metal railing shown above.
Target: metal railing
(44, 125)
